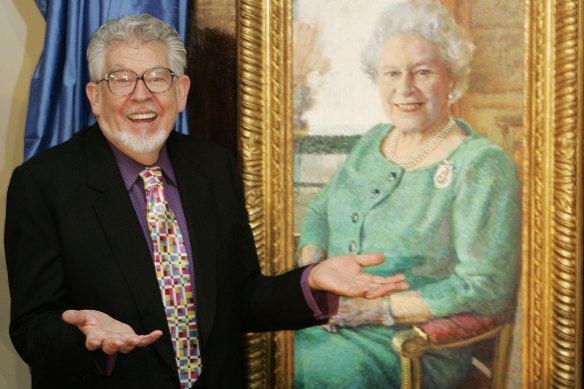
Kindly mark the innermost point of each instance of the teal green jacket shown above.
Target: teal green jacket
(459, 245)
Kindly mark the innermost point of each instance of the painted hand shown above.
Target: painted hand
(311, 254)
(409, 308)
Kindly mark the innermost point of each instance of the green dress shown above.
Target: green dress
(457, 241)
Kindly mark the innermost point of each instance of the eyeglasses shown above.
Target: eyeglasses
(123, 82)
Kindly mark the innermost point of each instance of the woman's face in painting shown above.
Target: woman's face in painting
(414, 84)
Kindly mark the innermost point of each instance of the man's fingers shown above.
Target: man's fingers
(146, 340)
(127, 343)
(74, 317)
(114, 345)
(105, 333)
(388, 280)
(386, 289)
(93, 343)
(131, 344)
(369, 259)
(127, 347)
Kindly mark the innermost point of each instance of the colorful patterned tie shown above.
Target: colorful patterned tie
(174, 279)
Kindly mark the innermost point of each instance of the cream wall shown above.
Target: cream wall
(22, 30)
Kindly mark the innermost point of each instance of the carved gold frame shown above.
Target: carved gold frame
(552, 181)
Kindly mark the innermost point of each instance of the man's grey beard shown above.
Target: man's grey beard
(138, 144)
(142, 143)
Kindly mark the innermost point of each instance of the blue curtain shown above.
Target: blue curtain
(58, 106)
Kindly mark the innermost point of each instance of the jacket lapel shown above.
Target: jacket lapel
(196, 199)
(120, 224)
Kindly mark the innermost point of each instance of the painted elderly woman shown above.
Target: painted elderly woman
(439, 200)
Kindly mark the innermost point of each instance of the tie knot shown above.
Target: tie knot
(152, 176)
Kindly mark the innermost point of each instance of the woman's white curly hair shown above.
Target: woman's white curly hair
(431, 21)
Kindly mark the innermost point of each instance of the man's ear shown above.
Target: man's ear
(183, 84)
(92, 91)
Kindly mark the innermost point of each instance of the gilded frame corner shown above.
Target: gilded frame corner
(552, 181)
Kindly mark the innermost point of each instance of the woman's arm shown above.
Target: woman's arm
(486, 234)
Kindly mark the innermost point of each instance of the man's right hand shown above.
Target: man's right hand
(344, 275)
(103, 332)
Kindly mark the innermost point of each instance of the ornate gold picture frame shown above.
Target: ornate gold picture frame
(551, 175)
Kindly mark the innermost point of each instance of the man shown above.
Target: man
(92, 244)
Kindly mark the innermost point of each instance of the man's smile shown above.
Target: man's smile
(142, 117)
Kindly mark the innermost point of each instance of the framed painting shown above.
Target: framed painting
(524, 94)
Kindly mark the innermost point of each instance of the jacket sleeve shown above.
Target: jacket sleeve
(267, 302)
(37, 282)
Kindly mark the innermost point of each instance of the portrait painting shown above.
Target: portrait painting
(317, 112)
(336, 103)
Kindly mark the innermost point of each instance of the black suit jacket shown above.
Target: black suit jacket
(73, 241)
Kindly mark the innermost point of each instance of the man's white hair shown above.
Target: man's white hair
(142, 29)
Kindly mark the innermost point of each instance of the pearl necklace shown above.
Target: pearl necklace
(421, 153)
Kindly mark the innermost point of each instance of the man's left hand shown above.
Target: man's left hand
(104, 332)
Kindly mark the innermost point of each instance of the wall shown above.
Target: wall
(212, 67)
(22, 29)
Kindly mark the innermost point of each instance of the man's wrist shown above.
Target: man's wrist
(322, 304)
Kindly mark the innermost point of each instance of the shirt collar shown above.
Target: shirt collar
(130, 168)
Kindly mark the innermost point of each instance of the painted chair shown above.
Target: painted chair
(496, 332)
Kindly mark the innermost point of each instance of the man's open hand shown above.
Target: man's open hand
(343, 275)
(103, 332)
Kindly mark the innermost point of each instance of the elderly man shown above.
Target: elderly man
(126, 212)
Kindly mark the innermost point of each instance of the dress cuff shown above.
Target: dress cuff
(105, 362)
(322, 304)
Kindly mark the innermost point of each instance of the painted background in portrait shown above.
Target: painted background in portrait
(335, 102)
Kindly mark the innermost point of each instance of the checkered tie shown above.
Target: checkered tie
(172, 269)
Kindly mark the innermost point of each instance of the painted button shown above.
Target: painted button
(352, 246)
(391, 176)
(354, 218)
(375, 193)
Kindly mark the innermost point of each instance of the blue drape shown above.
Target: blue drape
(58, 106)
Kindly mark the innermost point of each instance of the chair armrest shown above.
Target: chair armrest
(445, 331)
(454, 331)
(411, 343)
(462, 327)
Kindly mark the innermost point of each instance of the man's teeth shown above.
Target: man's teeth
(142, 116)
(408, 106)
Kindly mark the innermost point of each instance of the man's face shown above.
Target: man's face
(138, 124)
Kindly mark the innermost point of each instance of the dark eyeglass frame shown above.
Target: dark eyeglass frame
(107, 79)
